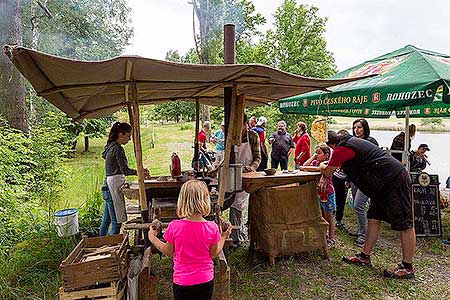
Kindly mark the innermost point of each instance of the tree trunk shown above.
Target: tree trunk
(12, 87)
(86, 143)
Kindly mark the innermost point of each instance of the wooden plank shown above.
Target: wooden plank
(105, 240)
(253, 181)
(71, 257)
(110, 292)
(228, 148)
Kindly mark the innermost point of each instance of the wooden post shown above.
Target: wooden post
(135, 123)
(197, 129)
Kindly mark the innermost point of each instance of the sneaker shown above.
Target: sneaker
(331, 243)
(359, 242)
(357, 259)
(341, 226)
(401, 272)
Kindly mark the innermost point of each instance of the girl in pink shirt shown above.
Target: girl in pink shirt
(193, 242)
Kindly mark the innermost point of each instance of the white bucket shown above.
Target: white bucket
(66, 222)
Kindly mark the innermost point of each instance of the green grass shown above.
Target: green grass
(303, 277)
(312, 277)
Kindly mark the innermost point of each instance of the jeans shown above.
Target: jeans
(236, 219)
(341, 196)
(361, 201)
(283, 163)
(109, 215)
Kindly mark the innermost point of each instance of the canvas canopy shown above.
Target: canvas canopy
(84, 89)
(408, 77)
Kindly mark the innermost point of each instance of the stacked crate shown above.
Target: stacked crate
(96, 269)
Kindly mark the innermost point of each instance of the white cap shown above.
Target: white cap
(222, 124)
(261, 121)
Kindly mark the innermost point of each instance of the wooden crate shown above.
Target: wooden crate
(78, 274)
(112, 291)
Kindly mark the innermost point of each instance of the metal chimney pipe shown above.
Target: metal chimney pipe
(229, 43)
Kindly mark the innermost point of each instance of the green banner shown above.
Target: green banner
(407, 77)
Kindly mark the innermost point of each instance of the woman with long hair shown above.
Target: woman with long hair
(116, 166)
(361, 130)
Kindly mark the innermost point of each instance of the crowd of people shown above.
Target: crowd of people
(379, 182)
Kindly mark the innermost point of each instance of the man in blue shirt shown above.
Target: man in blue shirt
(218, 139)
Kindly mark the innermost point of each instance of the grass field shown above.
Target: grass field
(303, 277)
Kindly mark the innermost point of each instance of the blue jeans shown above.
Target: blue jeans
(361, 201)
(109, 215)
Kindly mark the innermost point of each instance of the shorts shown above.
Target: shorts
(395, 206)
(330, 205)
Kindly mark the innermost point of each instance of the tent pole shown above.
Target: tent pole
(197, 129)
(405, 155)
(135, 123)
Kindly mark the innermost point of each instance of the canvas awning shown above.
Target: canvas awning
(84, 89)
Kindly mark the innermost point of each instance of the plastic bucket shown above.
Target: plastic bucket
(66, 222)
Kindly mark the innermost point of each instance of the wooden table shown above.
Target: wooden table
(284, 213)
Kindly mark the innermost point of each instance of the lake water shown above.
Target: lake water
(438, 156)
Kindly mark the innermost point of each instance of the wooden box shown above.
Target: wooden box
(111, 291)
(96, 260)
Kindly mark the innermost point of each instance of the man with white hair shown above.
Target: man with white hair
(282, 146)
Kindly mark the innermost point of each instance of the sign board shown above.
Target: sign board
(425, 197)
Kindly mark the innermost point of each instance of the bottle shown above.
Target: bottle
(175, 169)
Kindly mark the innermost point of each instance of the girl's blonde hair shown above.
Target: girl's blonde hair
(193, 198)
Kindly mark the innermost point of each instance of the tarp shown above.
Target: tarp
(84, 89)
(406, 77)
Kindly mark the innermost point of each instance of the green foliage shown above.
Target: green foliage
(84, 29)
(91, 213)
(297, 44)
(432, 122)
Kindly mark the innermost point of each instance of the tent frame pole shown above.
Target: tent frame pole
(135, 124)
(405, 155)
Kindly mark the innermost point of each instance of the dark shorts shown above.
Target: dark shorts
(395, 205)
(202, 291)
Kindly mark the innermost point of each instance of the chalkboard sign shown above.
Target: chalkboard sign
(425, 195)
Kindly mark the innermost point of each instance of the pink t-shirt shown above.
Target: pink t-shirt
(192, 262)
(330, 188)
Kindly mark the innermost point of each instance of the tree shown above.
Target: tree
(12, 88)
(211, 16)
(85, 29)
(297, 44)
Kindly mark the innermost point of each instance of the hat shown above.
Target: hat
(424, 146)
(261, 121)
(222, 124)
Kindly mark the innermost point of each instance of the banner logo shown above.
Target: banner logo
(366, 111)
(427, 110)
(379, 67)
(376, 97)
(305, 102)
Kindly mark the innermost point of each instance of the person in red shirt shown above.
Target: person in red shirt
(387, 183)
(302, 145)
(203, 134)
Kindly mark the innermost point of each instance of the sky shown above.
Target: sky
(357, 30)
